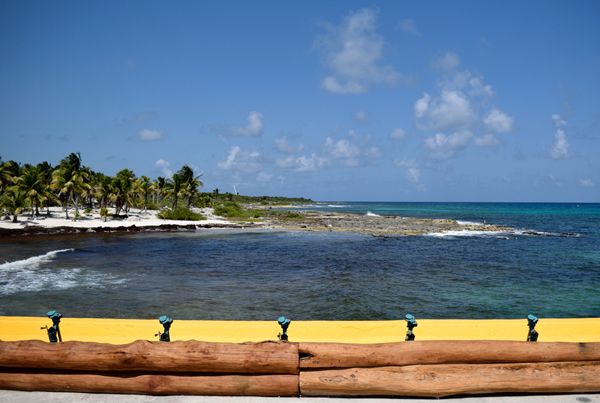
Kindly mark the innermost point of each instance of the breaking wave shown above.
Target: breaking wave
(473, 223)
(506, 234)
(369, 214)
(36, 273)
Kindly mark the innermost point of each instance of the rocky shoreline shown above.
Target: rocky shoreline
(381, 226)
(39, 230)
(377, 225)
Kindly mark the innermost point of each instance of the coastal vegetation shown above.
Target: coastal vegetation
(29, 189)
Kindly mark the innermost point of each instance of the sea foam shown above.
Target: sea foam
(469, 234)
(33, 262)
(473, 223)
(369, 214)
(36, 273)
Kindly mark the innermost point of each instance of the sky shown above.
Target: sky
(337, 100)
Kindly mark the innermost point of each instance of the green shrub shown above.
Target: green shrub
(104, 213)
(234, 210)
(180, 213)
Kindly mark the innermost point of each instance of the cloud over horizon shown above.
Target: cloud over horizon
(253, 128)
(241, 160)
(560, 148)
(165, 167)
(353, 51)
(462, 113)
(150, 135)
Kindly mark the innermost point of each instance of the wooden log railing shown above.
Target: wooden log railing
(421, 368)
(147, 356)
(152, 384)
(333, 355)
(453, 379)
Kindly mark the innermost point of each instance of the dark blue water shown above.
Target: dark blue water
(260, 275)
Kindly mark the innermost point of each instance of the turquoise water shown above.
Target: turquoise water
(548, 264)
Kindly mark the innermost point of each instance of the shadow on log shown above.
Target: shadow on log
(458, 379)
(216, 385)
(330, 355)
(146, 356)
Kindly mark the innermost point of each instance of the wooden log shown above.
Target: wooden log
(329, 355)
(155, 384)
(146, 356)
(454, 379)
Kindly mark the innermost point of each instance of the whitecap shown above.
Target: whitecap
(32, 262)
(36, 274)
(468, 234)
(473, 223)
(369, 214)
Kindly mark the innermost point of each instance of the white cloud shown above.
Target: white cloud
(241, 160)
(411, 169)
(361, 117)
(264, 177)
(498, 121)
(560, 148)
(352, 150)
(554, 180)
(587, 183)
(253, 128)
(373, 152)
(409, 26)
(282, 144)
(398, 134)
(422, 105)
(343, 150)
(165, 167)
(353, 52)
(449, 61)
(451, 110)
(302, 163)
(150, 135)
(486, 140)
(461, 113)
(444, 146)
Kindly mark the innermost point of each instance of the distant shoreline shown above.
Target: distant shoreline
(310, 221)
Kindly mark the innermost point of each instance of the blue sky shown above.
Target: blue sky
(337, 100)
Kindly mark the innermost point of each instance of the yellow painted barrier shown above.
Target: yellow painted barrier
(120, 331)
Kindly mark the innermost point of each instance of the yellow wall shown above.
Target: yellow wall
(119, 331)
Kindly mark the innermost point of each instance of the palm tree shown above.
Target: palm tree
(70, 180)
(45, 171)
(102, 188)
(9, 171)
(144, 187)
(160, 187)
(31, 182)
(173, 187)
(14, 200)
(122, 190)
(189, 183)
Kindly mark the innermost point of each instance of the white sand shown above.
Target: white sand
(136, 217)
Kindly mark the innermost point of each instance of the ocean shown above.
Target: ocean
(548, 264)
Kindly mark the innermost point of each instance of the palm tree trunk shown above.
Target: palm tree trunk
(74, 196)
(66, 207)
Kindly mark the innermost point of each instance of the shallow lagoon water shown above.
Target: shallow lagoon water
(326, 276)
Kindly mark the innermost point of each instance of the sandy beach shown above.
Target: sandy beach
(136, 219)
